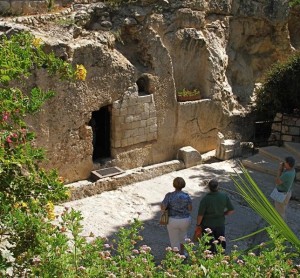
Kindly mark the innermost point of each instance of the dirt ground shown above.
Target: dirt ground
(105, 213)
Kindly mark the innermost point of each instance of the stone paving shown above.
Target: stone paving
(105, 213)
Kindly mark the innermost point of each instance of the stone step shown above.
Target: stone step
(261, 163)
(268, 158)
(293, 147)
(279, 154)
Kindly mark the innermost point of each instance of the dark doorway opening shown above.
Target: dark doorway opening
(100, 124)
(143, 85)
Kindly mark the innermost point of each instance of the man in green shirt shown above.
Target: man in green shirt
(284, 182)
(211, 213)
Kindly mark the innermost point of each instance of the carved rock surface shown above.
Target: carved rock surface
(221, 48)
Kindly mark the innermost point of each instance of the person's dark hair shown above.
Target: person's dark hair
(290, 161)
(179, 183)
(213, 185)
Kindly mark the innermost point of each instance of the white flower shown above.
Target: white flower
(208, 230)
(7, 255)
(240, 261)
(221, 238)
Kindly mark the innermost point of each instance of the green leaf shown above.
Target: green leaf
(252, 194)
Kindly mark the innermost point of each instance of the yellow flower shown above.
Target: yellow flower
(37, 42)
(20, 205)
(35, 201)
(68, 193)
(80, 72)
(50, 210)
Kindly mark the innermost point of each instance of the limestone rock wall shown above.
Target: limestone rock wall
(138, 56)
(29, 7)
(24, 7)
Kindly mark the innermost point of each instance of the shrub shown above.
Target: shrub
(27, 192)
(280, 89)
(65, 253)
(294, 3)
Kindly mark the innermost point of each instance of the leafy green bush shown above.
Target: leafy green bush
(65, 253)
(27, 192)
(280, 89)
(294, 2)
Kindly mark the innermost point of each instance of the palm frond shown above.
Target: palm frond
(256, 199)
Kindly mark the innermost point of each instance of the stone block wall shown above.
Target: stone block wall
(133, 121)
(290, 128)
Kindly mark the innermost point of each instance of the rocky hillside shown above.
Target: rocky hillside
(138, 55)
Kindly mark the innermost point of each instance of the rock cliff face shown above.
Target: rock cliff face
(138, 56)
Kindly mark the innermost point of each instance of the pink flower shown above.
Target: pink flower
(145, 248)
(8, 140)
(209, 256)
(5, 116)
(36, 260)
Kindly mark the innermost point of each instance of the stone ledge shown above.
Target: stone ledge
(83, 189)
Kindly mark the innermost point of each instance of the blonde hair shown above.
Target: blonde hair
(179, 183)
